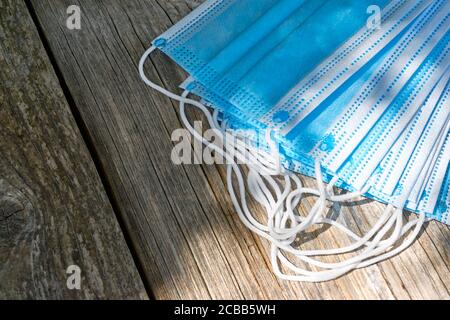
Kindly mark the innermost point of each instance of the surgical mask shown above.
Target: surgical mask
(259, 85)
(333, 73)
(230, 109)
(318, 132)
(417, 83)
(379, 92)
(388, 184)
(368, 152)
(233, 49)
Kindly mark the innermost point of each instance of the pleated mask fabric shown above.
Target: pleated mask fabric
(259, 84)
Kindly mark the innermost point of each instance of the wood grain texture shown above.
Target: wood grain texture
(53, 209)
(181, 222)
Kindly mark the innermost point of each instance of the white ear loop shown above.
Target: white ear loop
(276, 231)
(345, 266)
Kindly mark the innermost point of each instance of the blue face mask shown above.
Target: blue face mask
(340, 98)
(275, 72)
(364, 159)
(396, 16)
(311, 131)
(257, 51)
(323, 134)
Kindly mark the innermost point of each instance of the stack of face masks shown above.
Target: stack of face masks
(311, 87)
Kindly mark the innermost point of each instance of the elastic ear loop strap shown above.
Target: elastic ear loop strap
(345, 266)
(278, 217)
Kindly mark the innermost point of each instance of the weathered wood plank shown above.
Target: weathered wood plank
(54, 211)
(182, 223)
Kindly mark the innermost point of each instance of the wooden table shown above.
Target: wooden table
(86, 177)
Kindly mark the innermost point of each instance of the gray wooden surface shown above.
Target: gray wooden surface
(53, 209)
(182, 227)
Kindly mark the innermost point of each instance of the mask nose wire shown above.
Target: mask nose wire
(276, 208)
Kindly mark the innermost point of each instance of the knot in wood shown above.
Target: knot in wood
(13, 214)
